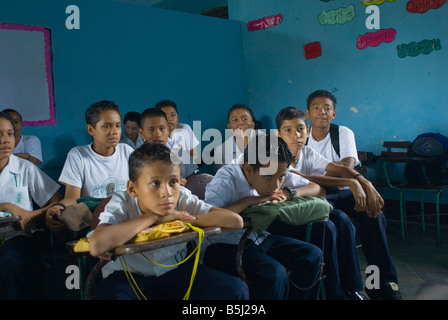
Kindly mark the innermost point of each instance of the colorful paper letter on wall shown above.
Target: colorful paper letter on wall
(413, 49)
(421, 6)
(264, 23)
(375, 2)
(373, 39)
(312, 50)
(341, 16)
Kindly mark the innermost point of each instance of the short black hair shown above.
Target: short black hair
(5, 115)
(288, 113)
(132, 116)
(15, 111)
(238, 106)
(151, 113)
(147, 154)
(94, 111)
(262, 146)
(318, 94)
(166, 103)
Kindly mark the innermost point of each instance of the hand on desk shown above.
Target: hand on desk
(25, 223)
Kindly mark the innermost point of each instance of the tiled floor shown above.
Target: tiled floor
(419, 259)
(421, 262)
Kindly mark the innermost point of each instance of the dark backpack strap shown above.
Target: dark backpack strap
(334, 136)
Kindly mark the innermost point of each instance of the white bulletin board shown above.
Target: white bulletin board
(26, 81)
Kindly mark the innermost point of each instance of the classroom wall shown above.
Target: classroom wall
(135, 56)
(381, 96)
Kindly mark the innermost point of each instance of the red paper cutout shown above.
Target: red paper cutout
(312, 50)
(264, 23)
(373, 39)
(421, 6)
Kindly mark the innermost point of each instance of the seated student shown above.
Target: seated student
(181, 134)
(21, 183)
(267, 258)
(154, 196)
(154, 128)
(292, 128)
(241, 122)
(131, 123)
(321, 111)
(96, 169)
(27, 147)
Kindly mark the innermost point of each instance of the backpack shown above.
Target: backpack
(433, 147)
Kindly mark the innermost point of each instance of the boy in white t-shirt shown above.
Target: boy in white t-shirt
(154, 196)
(321, 110)
(27, 147)
(266, 257)
(22, 183)
(131, 122)
(292, 128)
(181, 134)
(154, 128)
(97, 169)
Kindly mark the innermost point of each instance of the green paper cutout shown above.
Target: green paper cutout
(340, 16)
(413, 48)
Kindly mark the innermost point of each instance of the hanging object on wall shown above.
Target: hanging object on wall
(421, 6)
(312, 50)
(373, 39)
(266, 22)
(375, 2)
(413, 49)
(340, 16)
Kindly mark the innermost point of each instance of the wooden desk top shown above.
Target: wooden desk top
(164, 242)
(149, 245)
(400, 159)
(7, 220)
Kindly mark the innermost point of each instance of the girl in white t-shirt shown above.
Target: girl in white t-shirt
(22, 183)
(96, 169)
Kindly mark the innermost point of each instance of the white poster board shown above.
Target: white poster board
(26, 82)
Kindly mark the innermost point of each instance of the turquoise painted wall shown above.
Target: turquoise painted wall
(135, 56)
(380, 95)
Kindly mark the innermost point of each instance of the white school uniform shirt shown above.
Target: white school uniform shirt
(311, 162)
(229, 185)
(184, 137)
(21, 183)
(125, 139)
(122, 207)
(229, 150)
(97, 176)
(347, 145)
(30, 145)
(187, 165)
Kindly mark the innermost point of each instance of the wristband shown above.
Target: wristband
(357, 175)
(60, 204)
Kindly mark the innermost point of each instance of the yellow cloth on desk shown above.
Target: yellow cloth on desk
(160, 231)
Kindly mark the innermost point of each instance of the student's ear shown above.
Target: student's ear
(277, 133)
(308, 130)
(247, 168)
(307, 113)
(90, 129)
(132, 190)
(140, 132)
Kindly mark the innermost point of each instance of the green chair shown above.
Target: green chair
(389, 157)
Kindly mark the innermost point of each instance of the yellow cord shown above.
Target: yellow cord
(197, 250)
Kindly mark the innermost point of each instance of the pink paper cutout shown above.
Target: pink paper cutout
(421, 6)
(312, 50)
(373, 39)
(46, 32)
(264, 23)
